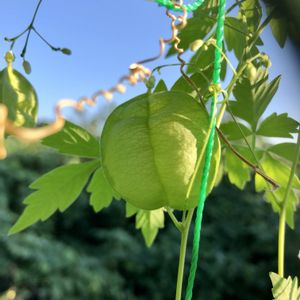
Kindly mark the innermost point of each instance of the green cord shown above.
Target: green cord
(209, 150)
(169, 4)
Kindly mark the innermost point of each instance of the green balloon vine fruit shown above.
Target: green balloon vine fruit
(149, 150)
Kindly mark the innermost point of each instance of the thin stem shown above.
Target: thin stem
(183, 245)
(282, 217)
(29, 28)
(281, 242)
(45, 41)
(233, 6)
(247, 162)
(177, 224)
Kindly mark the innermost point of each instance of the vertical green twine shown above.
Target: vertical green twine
(209, 150)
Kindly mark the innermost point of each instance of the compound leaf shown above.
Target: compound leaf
(73, 140)
(56, 190)
(278, 126)
(101, 191)
(252, 99)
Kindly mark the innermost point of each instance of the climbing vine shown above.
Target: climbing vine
(159, 151)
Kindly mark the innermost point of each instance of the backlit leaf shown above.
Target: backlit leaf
(101, 192)
(73, 140)
(252, 99)
(150, 221)
(238, 172)
(285, 150)
(279, 172)
(56, 190)
(285, 288)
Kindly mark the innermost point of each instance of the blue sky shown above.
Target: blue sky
(106, 37)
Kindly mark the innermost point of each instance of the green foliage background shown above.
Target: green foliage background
(83, 255)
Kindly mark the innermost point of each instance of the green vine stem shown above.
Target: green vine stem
(282, 216)
(183, 245)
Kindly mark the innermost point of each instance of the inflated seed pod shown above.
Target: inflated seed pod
(149, 150)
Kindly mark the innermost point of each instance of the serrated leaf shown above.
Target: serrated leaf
(277, 170)
(238, 172)
(278, 126)
(285, 150)
(280, 172)
(235, 33)
(253, 13)
(161, 87)
(101, 191)
(56, 190)
(19, 96)
(232, 131)
(285, 288)
(73, 140)
(150, 221)
(252, 99)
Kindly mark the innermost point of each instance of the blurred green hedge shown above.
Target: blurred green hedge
(82, 255)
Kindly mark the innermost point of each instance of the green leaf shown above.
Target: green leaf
(101, 191)
(19, 96)
(56, 190)
(285, 288)
(280, 172)
(201, 81)
(161, 87)
(251, 9)
(285, 150)
(238, 172)
(201, 60)
(278, 126)
(197, 28)
(252, 99)
(150, 221)
(279, 30)
(232, 131)
(73, 140)
(235, 32)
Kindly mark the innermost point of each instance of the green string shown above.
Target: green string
(209, 150)
(169, 4)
